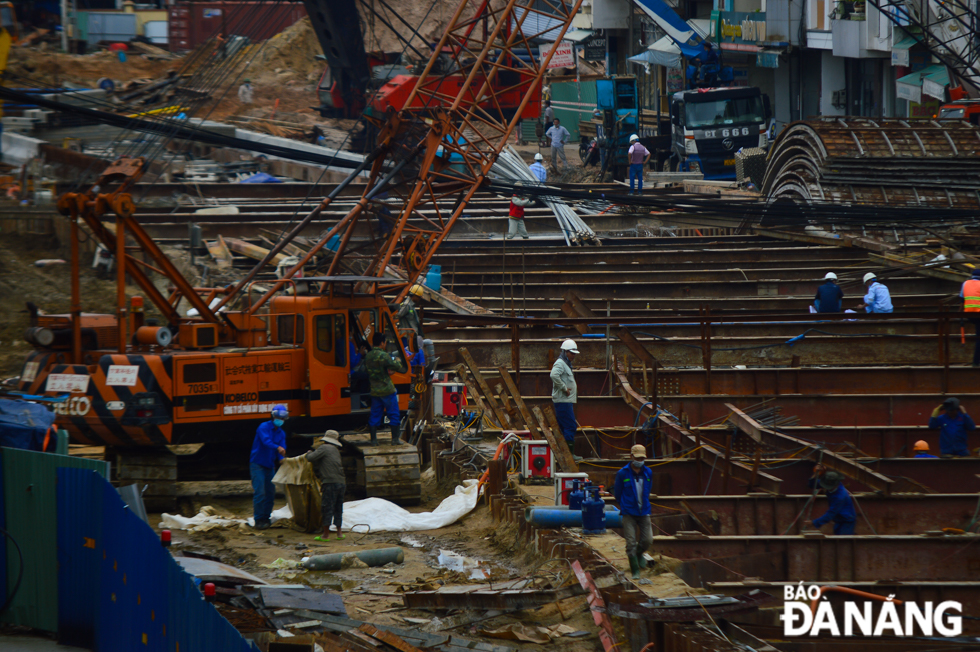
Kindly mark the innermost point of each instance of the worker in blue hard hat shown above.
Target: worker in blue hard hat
(268, 448)
(953, 424)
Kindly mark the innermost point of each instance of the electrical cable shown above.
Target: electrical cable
(20, 573)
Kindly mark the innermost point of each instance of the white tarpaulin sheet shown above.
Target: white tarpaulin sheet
(378, 514)
(384, 516)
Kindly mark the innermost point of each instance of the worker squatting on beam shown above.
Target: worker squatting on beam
(841, 505)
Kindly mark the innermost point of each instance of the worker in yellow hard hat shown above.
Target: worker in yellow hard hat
(921, 449)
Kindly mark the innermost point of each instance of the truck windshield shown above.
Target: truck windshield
(724, 112)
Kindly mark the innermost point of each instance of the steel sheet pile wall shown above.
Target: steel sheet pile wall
(120, 590)
(884, 162)
(30, 506)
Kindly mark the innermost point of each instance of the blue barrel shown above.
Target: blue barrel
(433, 279)
(576, 496)
(593, 513)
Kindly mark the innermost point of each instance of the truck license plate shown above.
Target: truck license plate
(729, 161)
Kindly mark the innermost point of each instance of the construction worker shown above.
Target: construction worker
(638, 156)
(922, 450)
(384, 398)
(632, 492)
(829, 295)
(549, 115)
(970, 293)
(538, 169)
(878, 298)
(559, 136)
(840, 504)
(515, 225)
(268, 448)
(564, 392)
(245, 92)
(329, 470)
(953, 423)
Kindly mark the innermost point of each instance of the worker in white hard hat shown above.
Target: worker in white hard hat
(564, 392)
(538, 169)
(329, 470)
(829, 295)
(878, 299)
(638, 156)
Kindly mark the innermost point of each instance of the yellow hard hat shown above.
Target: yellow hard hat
(416, 290)
(922, 445)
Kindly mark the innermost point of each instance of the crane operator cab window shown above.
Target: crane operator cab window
(290, 330)
(331, 339)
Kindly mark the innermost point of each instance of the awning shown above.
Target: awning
(577, 35)
(900, 51)
(665, 51)
(931, 80)
(688, 40)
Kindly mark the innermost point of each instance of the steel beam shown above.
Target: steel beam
(831, 558)
(769, 515)
(778, 441)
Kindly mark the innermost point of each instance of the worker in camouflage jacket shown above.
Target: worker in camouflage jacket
(384, 398)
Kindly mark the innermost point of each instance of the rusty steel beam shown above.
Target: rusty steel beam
(502, 599)
(815, 349)
(831, 558)
(853, 410)
(742, 473)
(677, 477)
(831, 460)
(775, 381)
(769, 515)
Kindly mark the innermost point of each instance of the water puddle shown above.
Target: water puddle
(475, 569)
(412, 541)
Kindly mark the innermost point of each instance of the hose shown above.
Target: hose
(509, 439)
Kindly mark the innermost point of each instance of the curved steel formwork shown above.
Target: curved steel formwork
(888, 162)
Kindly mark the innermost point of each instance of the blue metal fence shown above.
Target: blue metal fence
(142, 598)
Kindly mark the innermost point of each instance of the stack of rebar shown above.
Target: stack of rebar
(511, 167)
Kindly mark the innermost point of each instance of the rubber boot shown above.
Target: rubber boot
(374, 435)
(396, 437)
(634, 567)
(641, 560)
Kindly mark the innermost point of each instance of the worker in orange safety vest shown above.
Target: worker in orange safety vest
(970, 293)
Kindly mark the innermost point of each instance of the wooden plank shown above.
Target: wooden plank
(252, 251)
(558, 444)
(394, 641)
(289, 249)
(519, 402)
(472, 391)
(569, 309)
(541, 421)
(502, 418)
(633, 344)
(219, 252)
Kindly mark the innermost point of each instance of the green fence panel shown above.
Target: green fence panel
(30, 506)
(573, 101)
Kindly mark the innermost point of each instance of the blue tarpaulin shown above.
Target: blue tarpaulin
(23, 424)
(261, 177)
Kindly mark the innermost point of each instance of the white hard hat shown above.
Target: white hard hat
(830, 276)
(869, 276)
(569, 345)
(634, 137)
(538, 157)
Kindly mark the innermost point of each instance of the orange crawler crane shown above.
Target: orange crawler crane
(136, 388)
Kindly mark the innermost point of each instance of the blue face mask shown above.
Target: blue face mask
(278, 422)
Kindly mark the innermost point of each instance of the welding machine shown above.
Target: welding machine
(448, 398)
(563, 485)
(537, 462)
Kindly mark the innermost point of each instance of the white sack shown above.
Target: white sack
(385, 516)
